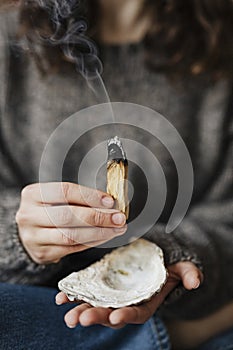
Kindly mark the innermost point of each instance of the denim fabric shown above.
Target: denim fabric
(222, 342)
(29, 319)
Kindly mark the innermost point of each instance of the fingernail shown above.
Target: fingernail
(120, 230)
(57, 301)
(107, 201)
(196, 285)
(71, 326)
(114, 320)
(118, 219)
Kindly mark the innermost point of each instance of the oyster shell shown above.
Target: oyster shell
(128, 275)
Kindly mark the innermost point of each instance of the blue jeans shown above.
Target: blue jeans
(223, 341)
(30, 320)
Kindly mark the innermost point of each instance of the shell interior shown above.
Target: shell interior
(128, 275)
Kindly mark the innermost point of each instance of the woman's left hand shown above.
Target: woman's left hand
(88, 315)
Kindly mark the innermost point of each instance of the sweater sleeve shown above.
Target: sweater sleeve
(15, 264)
(204, 237)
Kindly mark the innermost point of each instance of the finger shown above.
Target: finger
(73, 216)
(95, 315)
(192, 279)
(74, 236)
(131, 314)
(67, 192)
(72, 316)
(141, 313)
(61, 298)
(190, 275)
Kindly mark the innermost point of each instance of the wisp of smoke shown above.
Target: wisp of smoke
(70, 27)
(69, 33)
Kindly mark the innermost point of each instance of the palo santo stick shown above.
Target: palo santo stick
(117, 174)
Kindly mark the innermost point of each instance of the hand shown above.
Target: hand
(86, 315)
(57, 219)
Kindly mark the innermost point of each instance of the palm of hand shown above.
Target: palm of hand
(86, 315)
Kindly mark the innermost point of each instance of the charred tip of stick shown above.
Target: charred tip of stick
(115, 150)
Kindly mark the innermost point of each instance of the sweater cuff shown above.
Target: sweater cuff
(16, 266)
(30, 265)
(174, 251)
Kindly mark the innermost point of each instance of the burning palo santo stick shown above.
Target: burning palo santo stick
(117, 174)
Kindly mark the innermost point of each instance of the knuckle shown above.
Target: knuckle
(26, 241)
(27, 191)
(39, 256)
(86, 196)
(44, 256)
(68, 238)
(56, 261)
(65, 188)
(65, 216)
(25, 237)
(22, 217)
(102, 234)
(72, 249)
(17, 217)
(98, 218)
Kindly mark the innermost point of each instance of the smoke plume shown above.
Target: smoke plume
(68, 18)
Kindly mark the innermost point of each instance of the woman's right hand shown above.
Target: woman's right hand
(57, 219)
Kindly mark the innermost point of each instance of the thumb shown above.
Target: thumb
(190, 274)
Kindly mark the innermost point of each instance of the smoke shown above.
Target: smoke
(69, 33)
(70, 26)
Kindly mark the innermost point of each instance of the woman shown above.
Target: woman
(181, 54)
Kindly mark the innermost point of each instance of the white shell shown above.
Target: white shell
(128, 275)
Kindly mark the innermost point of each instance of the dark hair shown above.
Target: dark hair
(187, 38)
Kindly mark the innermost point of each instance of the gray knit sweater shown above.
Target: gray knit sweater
(32, 107)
